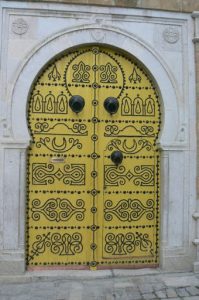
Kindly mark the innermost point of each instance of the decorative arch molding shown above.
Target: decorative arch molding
(172, 110)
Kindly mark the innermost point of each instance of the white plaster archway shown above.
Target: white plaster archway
(110, 36)
(173, 139)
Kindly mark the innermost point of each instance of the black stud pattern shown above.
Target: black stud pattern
(132, 129)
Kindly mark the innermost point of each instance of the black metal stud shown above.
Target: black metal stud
(111, 105)
(117, 157)
(76, 103)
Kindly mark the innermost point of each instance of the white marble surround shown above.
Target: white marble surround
(31, 34)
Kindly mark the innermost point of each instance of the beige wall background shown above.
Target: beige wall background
(170, 5)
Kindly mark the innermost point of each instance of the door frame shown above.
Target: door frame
(173, 141)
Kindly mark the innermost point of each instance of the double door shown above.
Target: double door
(93, 164)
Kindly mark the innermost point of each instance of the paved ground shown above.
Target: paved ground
(100, 285)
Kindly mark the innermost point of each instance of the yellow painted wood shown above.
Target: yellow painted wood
(82, 209)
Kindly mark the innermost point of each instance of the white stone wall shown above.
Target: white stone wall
(31, 34)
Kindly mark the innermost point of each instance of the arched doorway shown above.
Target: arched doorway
(93, 175)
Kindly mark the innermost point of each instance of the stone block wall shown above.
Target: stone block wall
(169, 5)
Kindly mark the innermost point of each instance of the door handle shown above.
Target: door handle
(111, 105)
(117, 157)
(76, 103)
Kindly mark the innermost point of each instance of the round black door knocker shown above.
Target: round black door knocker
(76, 103)
(111, 105)
(117, 157)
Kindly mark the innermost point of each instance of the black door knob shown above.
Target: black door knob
(111, 105)
(117, 157)
(76, 103)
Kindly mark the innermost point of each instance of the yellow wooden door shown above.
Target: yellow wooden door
(84, 208)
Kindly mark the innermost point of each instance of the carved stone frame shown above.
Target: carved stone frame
(177, 141)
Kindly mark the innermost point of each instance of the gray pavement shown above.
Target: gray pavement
(100, 285)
